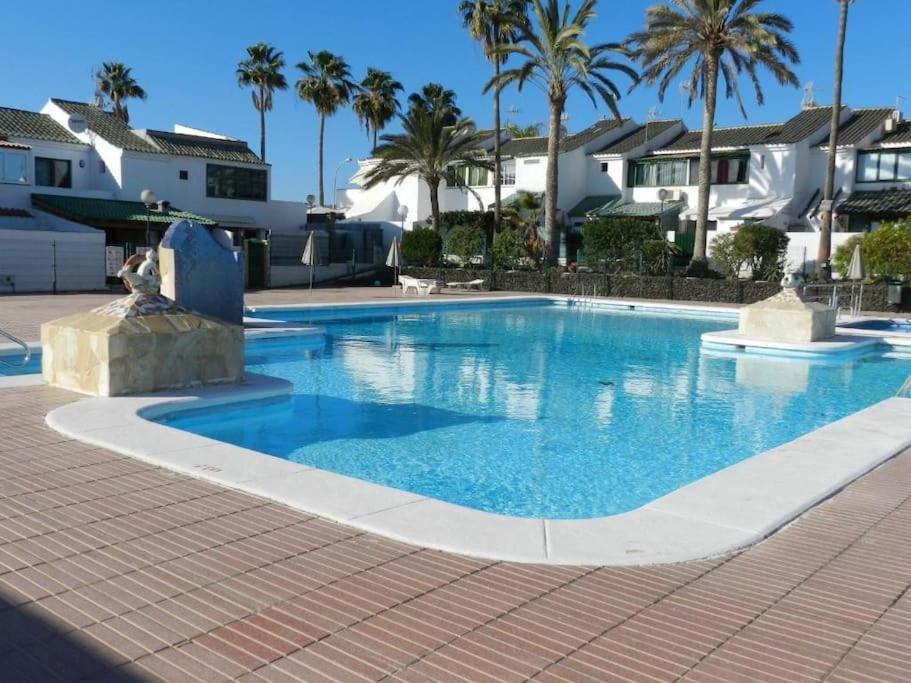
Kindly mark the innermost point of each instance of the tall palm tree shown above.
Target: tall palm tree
(376, 104)
(116, 81)
(434, 97)
(557, 59)
(262, 71)
(327, 85)
(823, 269)
(429, 147)
(494, 23)
(726, 37)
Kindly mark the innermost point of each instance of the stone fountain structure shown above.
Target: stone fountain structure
(786, 317)
(143, 342)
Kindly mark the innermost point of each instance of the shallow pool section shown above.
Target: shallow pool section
(536, 410)
(12, 367)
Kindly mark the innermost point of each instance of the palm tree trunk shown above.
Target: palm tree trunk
(434, 205)
(322, 130)
(497, 191)
(823, 269)
(551, 226)
(262, 125)
(700, 260)
(374, 139)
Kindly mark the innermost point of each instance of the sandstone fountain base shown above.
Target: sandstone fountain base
(786, 317)
(138, 344)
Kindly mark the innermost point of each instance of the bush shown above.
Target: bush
(758, 246)
(886, 252)
(632, 244)
(483, 220)
(465, 243)
(726, 254)
(422, 247)
(509, 249)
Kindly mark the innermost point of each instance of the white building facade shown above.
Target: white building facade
(770, 173)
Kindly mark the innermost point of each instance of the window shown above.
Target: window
(473, 176)
(883, 166)
(658, 173)
(13, 167)
(101, 167)
(730, 170)
(234, 182)
(604, 166)
(53, 172)
(508, 172)
(183, 175)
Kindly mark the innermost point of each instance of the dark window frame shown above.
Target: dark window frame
(237, 182)
(895, 177)
(691, 172)
(67, 180)
(183, 175)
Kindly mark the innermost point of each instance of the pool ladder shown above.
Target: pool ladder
(27, 352)
(905, 391)
(583, 300)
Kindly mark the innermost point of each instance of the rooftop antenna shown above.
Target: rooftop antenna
(898, 104)
(652, 116)
(809, 99)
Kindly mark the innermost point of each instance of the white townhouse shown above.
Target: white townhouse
(773, 173)
(71, 177)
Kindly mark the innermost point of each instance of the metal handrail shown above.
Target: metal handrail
(28, 352)
(905, 391)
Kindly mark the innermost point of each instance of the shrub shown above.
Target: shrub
(758, 246)
(422, 246)
(633, 243)
(465, 243)
(764, 249)
(510, 249)
(726, 254)
(886, 252)
(483, 220)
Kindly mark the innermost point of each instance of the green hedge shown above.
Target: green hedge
(509, 249)
(422, 246)
(760, 247)
(465, 242)
(886, 252)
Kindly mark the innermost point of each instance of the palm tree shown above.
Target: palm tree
(434, 97)
(823, 269)
(429, 147)
(494, 23)
(716, 36)
(376, 104)
(515, 130)
(262, 71)
(557, 59)
(327, 84)
(116, 81)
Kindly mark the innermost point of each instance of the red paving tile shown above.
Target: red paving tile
(121, 571)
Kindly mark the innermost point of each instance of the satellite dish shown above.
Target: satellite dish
(664, 194)
(77, 123)
(311, 200)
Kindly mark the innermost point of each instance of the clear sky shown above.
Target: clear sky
(184, 54)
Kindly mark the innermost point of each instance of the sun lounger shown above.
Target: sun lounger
(471, 284)
(421, 287)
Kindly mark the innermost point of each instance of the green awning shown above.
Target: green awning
(642, 209)
(881, 204)
(109, 212)
(591, 203)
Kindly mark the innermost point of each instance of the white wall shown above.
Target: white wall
(29, 257)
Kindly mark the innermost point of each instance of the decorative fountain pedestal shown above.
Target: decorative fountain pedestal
(786, 317)
(141, 343)
(786, 324)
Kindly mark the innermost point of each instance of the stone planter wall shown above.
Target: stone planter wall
(638, 287)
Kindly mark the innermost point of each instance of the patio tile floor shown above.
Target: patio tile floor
(114, 570)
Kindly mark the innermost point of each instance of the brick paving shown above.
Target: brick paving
(114, 570)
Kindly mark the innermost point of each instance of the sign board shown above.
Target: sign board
(113, 260)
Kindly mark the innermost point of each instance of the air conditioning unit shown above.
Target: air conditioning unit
(891, 124)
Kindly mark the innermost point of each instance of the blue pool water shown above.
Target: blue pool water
(536, 410)
(881, 325)
(30, 368)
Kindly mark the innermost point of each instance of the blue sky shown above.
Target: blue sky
(185, 53)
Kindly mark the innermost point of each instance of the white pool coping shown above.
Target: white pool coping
(723, 512)
(16, 381)
(839, 344)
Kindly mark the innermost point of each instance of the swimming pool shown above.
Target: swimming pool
(901, 325)
(538, 410)
(32, 367)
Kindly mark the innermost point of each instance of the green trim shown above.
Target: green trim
(108, 211)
